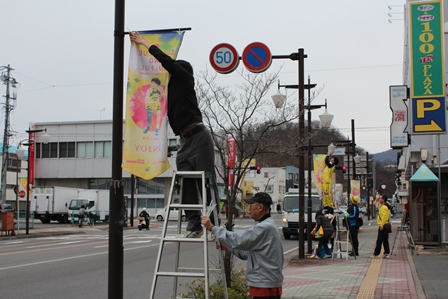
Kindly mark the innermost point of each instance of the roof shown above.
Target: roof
(424, 174)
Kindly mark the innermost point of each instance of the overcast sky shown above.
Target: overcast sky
(62, 53)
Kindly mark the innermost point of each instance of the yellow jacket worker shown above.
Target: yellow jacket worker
(327, 180)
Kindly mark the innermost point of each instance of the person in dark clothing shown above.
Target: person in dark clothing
(323, 221)
(146, 216)
(196, 152)
(352, 219)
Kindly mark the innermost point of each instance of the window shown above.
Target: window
(103, 149)
(85, 149)
(154, 186)
(66, 150)
(53, 149)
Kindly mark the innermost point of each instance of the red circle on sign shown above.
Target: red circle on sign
(224, 58)
(257, 57)
(22, 194)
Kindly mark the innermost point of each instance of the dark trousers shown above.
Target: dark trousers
(196, 154)
(323, 242)
(382, 240)
(354, 237)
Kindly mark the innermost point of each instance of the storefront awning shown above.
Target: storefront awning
(424, 174)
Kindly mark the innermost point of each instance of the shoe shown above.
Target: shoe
(386, 256)
(353, 254)
(328, 256)
(194, 234)
(312, 256)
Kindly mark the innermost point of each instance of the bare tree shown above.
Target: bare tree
(247, 114)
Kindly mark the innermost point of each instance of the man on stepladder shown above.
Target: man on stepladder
(196, 152)
(260, 245)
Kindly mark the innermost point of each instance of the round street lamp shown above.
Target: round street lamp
(326, 119)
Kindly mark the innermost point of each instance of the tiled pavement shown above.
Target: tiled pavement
(361, 278)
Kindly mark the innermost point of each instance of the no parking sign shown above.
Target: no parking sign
(257, 57)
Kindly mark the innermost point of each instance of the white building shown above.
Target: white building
(79, 155)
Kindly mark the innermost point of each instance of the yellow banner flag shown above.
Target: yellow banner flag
(145, 131)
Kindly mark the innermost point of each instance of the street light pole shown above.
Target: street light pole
(28, 171)
(368, 185)
(301, 79)
(325, 123)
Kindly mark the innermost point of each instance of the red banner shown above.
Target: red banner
(231, 159)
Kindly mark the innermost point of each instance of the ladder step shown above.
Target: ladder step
(181, 274)
(190, 174)
(182, 239)
(187, 206)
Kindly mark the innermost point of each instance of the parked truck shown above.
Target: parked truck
(52, 203)
(95, 201)
(291, 212)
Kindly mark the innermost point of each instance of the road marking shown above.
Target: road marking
(56, 244)
(69, 258)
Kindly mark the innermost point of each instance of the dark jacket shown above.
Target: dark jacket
(183, 107)
(323, 221)
(353, 215)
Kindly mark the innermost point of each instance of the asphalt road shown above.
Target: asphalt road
(74, 266)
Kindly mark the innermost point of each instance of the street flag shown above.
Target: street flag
(319, 166)
(145, 130)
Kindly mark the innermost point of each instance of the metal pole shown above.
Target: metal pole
(309, 209)
(17, 194)
(5, 137)
(353, 149)
(301, 61)
(27, 214)
(115, 260)
(368, 186)
(132, 199)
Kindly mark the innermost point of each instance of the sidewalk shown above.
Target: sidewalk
(361, 278)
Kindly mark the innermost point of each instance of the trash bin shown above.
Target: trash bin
(8, 223)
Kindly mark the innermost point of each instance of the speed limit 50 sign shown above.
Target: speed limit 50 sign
(224, 58)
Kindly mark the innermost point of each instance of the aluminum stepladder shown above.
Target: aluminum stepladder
(339, 242)
(404, 228)
(204, 273)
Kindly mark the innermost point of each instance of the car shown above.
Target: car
(7, 208)
(174, 215)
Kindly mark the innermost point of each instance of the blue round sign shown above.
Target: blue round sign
(257, 57)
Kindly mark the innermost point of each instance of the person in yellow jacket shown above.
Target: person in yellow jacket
(383, 236)
(327, 180)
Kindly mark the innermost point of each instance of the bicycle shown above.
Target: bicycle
(89, 220)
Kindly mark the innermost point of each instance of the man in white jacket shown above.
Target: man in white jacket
(260, 245)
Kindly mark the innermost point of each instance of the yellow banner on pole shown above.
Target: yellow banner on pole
(145, 131)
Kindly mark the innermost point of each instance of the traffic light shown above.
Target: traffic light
(257, 168)
(344, 168)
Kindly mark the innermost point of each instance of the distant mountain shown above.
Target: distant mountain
(389, 155)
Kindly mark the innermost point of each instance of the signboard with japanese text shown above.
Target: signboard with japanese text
(427, 65)
(398, 136)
